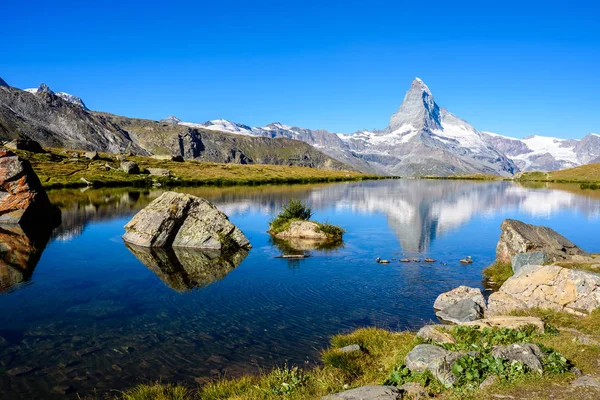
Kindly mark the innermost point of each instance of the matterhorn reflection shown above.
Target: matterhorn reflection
(185, 269)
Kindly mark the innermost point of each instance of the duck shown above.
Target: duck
(429, 260)
(404, 260)
(380, 261)
(415, 260)
(467, 260)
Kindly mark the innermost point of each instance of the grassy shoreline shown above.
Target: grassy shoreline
(59, 169)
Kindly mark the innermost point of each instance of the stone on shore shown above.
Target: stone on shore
(463, 311)
(550, 287)
(437, 360)
(453, 296)
(23, 200)
(519, 237)
(181, 220)
(92, 155)
(25, 144)
(435, 333)
(368, 392)
(527, 353)
(303, 230)
(129, 167)
(508, 322)
(587, 381)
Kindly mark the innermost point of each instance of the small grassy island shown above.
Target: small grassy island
(294, 222)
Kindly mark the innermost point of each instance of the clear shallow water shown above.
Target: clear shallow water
(93, 315)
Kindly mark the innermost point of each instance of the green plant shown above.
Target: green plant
(332, 231)
(498, 273)
(285, 381)
(294, 210)
(554, 362)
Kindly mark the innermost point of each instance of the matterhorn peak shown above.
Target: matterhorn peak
(418, 110)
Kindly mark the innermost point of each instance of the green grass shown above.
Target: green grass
(587, 174)
(57, 169)
(498, 273)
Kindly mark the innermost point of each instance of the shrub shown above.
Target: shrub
(332, 231)
(294, 210)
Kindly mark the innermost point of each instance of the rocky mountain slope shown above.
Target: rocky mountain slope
(421, 139)
(63, 120)
(540, 153)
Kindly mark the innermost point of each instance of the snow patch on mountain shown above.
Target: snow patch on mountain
(65, 96)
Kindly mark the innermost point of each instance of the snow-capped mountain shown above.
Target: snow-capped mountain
(65, 96)
(421, 139)
(541, 153)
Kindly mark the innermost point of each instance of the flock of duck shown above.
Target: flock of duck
(466, 260)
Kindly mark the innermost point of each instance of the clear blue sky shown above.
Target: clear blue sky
(515, 68)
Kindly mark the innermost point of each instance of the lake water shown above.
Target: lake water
(95, 316)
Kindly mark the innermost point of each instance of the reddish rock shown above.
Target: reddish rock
(23, 200)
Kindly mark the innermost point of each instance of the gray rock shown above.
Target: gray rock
(587, 381)
(182, 220)
(489, 381)
(350, 348)
(550, 287)
(434, 333)
(368, 393)
(528, 354)
(464, 311)
(303, 230)
(25, 144)
(435, 359)
(159, 172)
(455, 295)
(520, 260)
(129, 167)
(519, 237)
(413, 391)
(92, 155)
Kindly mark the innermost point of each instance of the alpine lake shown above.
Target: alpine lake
(83, 316)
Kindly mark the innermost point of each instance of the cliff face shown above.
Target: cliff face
(54, 122)
(204, 145)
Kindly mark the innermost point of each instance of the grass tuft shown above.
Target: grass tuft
(498, 273)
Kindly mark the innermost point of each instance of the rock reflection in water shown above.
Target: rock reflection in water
(20, 251)
(299, 246)
(186, 269)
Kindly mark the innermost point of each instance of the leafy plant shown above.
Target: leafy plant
(285, 381)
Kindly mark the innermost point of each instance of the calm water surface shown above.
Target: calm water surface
(96, 316)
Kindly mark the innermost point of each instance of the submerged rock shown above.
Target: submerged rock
(519, 237)
(182, 220)
(548, 286)
(23, 200)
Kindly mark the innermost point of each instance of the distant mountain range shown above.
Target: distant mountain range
(421, 139)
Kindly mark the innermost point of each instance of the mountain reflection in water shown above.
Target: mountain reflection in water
(97, 316)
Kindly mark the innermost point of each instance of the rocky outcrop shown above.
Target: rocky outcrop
(303, 230)
(92, 155)
(187, 269)
(435, 333)
(519, 237)
(23, 200)
(25, 144)
(548, 286)
(181, 220)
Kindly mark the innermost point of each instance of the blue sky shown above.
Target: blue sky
(516, 68)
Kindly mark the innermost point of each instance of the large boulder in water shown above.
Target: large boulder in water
(23, 200)
(182, 220)
(519, 237)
